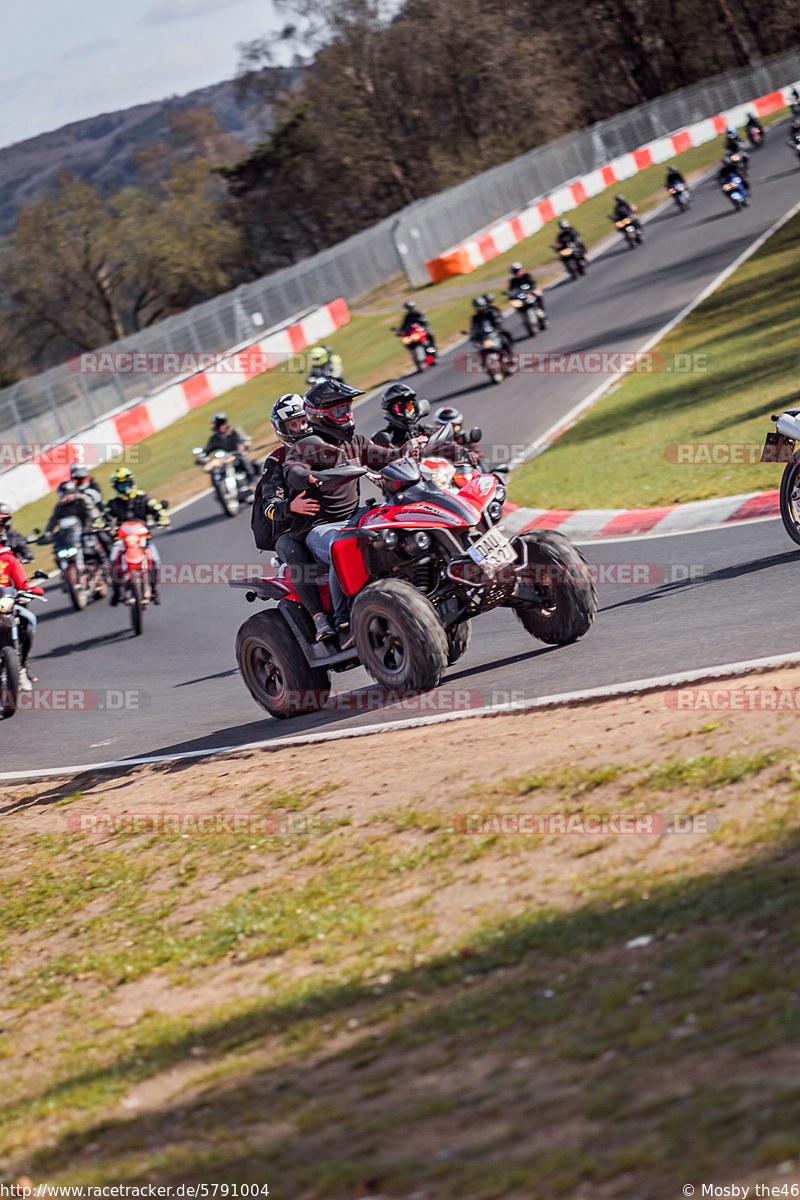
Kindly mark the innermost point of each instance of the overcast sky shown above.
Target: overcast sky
(64, 60)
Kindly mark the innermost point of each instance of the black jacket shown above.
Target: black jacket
(338, 499)
(230, 441)
(415, 317)
(78, 505)
(456, 451)
(674, 177)
(517, 281)
(18, 545)
(136, 507)
(271, 515)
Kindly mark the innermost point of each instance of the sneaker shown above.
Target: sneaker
(323, 627)
(346, 636)
(25, 684)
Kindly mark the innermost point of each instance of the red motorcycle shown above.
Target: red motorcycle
(419, 345)
(418, 568)
(133, 569)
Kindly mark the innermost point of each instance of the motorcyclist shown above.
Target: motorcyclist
(624, 210)
(794, 134)
(284, 516)
(323, 361)
(452, 416)
(567, 234)
(728, 170)
(132, 504)
(334, 442)
(17, 544)
(83, 479)
(732, 142)
(403, 411)
(12, 575)
(519, 279)
(72, 503)
(674, 177)
(484, 309)
(753, 123)
(225, 436)
(415, 316)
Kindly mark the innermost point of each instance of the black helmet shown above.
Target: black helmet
(329, 408)
(488, 298)
(288, 408)
(563, 223)
(67, 488)
(445, 414)
(409, 306)
(402, 408)
(620, 200)
(516, 267)
(478, 302)
(218, 420)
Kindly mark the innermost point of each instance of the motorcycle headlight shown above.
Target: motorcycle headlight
(68, 552)
(495, 510)
(389, 538)
(6, 605)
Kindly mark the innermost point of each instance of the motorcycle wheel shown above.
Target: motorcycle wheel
(9, 680)
(274, 670)
(562, 610)
(790, 499)
(420, 356)
(542, 321)
(458, 639)
(529, 325)
(582, 267)
(230, 504)
(399, 637)
(78, 593)
(492, 367)
(137, 603)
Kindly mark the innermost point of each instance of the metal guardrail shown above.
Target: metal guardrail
(53, 405)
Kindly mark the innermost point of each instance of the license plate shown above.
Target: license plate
(777, 448)
(493, 550)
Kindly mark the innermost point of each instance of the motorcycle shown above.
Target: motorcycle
(630, 229)
(530, 305)
(420, 347)
(794, 143)
(573, 258)
(10, 661)
(755, 136)
(736, 191)
(495, 348)
(779, 446)
(231, 484)
(81, 560)
(133, 570)
(418, 568)
(681, 195)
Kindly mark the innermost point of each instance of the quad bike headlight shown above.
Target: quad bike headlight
(389, 538)
(422, 540)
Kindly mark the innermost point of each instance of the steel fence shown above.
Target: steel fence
(57, 403)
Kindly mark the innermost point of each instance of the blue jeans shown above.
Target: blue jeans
(319, 541)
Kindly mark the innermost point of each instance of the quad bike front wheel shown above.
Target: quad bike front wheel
(274, 669)
(399, 637)
(556, 598)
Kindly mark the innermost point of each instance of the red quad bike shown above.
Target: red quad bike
(133, 570)
(418, 568)
(419, 346)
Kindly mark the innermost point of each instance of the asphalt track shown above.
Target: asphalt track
(665, 603)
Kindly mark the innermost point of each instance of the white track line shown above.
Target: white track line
(633, 687)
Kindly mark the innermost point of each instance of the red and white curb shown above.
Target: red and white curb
(563, 699)
(131, 424)
(626, 522)
(501, 236)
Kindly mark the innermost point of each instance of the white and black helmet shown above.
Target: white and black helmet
(288, 408)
